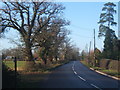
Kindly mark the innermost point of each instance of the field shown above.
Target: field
(48, 67)
(20, 64)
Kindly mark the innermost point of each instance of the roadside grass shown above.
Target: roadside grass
(51, 66)
(112, 72)
(56, 64)
(107, 71)
(85, 63)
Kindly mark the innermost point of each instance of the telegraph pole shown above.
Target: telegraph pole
(94, 47)
(89, 52)
(89, 48)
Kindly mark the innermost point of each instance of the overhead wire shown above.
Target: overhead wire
(80, 28)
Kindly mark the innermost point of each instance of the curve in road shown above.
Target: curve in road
(75, 75)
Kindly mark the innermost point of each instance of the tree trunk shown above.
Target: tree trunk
(45, 61)
(44, 58)
(30, 64)
(28, 50)
(51, 59)
(56, 57)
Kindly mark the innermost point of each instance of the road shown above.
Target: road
(76, 75)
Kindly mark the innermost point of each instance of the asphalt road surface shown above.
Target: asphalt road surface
(76, 75)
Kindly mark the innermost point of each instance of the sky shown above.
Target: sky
(83, 17)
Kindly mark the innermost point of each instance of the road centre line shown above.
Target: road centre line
(72, 68)
(83, 78)
(95, 86)
(75, 72)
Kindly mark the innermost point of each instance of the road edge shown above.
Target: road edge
(105, 74)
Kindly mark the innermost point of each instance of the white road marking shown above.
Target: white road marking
(95, 86)
(81, 78)
(73, 66)
(73, 69)
(75, 72)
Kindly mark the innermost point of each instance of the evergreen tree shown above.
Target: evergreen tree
(107, 20)
(108, 45)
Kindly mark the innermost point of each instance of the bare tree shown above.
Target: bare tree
(51, 38)
(29, 18)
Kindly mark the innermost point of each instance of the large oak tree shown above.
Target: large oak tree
(29, 19)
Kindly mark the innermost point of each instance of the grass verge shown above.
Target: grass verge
(109, 72)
